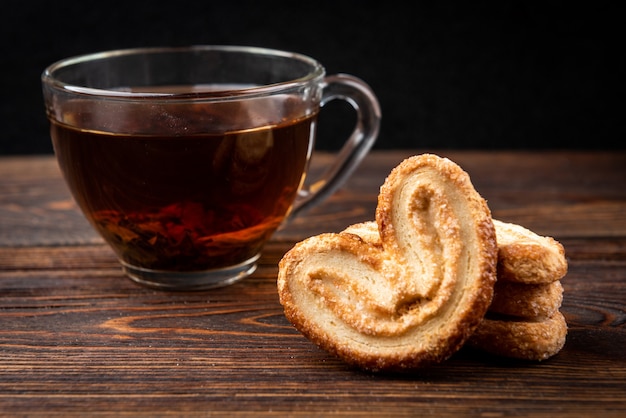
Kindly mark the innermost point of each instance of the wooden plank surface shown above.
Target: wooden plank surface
(77, 337)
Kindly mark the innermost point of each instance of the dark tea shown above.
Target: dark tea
(185, 202)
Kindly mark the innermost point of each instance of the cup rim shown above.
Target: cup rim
(48, 76)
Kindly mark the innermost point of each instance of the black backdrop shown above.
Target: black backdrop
(501, 75)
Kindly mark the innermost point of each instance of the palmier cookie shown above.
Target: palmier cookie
(524, 339)
(526, 257)
(412, 301)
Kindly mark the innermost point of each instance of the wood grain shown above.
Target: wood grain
(77, 338)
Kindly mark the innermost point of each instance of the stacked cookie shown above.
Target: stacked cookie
(432, 273)
(524, 319)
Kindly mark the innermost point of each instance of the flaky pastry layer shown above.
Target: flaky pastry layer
(535, 340)
(527, 300)
(526, 257)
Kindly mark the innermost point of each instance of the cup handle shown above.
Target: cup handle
(361, 97)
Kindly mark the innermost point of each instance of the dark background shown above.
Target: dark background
(501, 75)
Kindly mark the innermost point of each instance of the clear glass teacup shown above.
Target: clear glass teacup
(186, 160)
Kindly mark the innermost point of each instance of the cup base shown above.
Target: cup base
(190, 280)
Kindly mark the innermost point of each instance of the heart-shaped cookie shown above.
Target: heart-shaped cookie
(414, 299)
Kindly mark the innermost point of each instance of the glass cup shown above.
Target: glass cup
(186, 160)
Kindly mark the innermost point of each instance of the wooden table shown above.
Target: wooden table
(77, 337)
